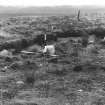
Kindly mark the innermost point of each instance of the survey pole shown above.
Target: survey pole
(78, 16)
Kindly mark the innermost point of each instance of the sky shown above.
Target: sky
(51, 2)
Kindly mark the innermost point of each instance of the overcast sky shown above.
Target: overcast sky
(50, 2)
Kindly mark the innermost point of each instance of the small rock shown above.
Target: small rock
(40, 65)
(5, 53)
(20, 83)
(4, 69)
(80, 90)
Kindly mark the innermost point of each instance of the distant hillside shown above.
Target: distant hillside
(57, 10)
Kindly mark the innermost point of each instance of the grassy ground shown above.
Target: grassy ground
(66, 80)
(76, 77)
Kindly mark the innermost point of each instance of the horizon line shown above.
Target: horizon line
(17, 6)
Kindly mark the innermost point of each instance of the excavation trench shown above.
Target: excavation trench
(20, 44)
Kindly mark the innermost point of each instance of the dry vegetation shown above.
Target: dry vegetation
(75, 77)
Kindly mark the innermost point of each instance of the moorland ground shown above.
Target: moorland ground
(75, 77)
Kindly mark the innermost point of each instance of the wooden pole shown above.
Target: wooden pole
(78, 17)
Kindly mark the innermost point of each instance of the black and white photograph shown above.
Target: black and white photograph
(52, 52)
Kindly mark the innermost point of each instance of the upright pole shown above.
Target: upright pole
(78, 17)
(45, 65)
(45, 39)
(45, 43)
(52, 28)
